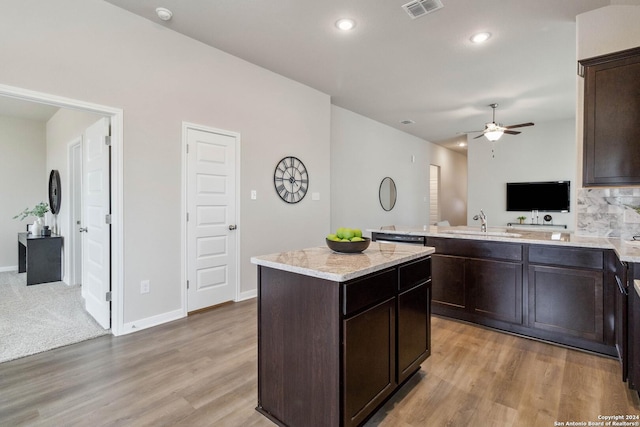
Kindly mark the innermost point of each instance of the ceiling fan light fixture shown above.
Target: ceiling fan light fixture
(494, 135)
(480, 37)
(345, 24)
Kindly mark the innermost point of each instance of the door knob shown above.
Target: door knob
(83, 230)
(232, 227)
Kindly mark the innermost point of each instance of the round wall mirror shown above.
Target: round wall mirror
(387, 194)
(54, 191)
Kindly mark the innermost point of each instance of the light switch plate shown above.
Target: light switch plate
(254, 194)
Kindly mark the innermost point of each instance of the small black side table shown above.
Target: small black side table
(40, 257)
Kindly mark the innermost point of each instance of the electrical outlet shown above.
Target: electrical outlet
(144, 287)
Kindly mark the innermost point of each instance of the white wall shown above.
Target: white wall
(453, 184)
(22, 180)
(544, 152)
(364, 151)
(105, 55)
(63, 128)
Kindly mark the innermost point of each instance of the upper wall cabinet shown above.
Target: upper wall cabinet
(611, 118)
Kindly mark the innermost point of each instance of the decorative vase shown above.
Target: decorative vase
(37, 227)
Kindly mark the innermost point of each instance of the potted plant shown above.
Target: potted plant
(521, 219)
(38, 211)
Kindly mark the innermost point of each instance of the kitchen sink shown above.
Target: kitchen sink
(482, 233)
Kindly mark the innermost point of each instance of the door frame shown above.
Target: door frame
(117, 227)
(183, 213)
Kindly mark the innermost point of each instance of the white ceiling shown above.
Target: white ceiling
(391, 68)
(17, 108)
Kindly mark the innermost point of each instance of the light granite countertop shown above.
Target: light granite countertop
(627, 251)
(323, 263)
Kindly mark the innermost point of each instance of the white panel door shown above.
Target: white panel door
(96, 242)
(211, 205)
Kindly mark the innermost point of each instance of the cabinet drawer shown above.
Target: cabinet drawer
(414, 273)
(570, 257)
(361, 293)
(476, 249)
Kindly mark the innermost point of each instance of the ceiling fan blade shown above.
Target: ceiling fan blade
(512, 132)
(479, 136)
(521, 125)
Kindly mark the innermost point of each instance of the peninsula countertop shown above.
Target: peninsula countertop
(323, 263)
(627, 251)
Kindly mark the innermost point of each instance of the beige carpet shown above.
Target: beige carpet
(41, 317)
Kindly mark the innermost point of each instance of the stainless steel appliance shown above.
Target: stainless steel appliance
(406, 239)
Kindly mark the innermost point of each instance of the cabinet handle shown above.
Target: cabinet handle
(232, 227)
(83, 230)
(623, 291)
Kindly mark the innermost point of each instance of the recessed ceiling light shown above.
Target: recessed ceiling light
(407, 122)
(480, 37)
(164, 13)
(462, 144)
(345, 24)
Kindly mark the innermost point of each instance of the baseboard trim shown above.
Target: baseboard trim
(247, 295)
(9, 268)
(152, 321)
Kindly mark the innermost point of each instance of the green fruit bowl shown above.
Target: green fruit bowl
(348, 247)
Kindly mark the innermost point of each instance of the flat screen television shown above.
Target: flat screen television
(551, 196)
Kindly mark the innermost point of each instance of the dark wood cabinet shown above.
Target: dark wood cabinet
(369, 353)
(560, 294)
(477, 281)
(571, 295)
(449, 290)
(567, 301)
(633, 349)
(331, 353)
(621, 315)
(414, 326)
(40, 257)
(611, 117)
(496, 287)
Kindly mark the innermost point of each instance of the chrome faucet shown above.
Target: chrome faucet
(483, 218)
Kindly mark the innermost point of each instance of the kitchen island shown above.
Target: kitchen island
(338, 334)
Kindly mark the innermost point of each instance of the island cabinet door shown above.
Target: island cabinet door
(413, 316)
(369, 361)
(414, 326)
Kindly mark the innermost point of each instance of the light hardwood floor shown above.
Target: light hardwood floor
(201, 371)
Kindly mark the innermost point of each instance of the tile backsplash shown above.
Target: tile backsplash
(608, 212)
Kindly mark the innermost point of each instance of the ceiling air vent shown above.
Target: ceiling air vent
(419, 8)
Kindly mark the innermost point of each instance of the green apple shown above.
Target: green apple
(357, 239)
(357, 232)
(348, 234)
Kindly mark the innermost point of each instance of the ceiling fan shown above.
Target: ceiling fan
(493, 131)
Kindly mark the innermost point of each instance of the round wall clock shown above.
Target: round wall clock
(291, 179)
(54, 191)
